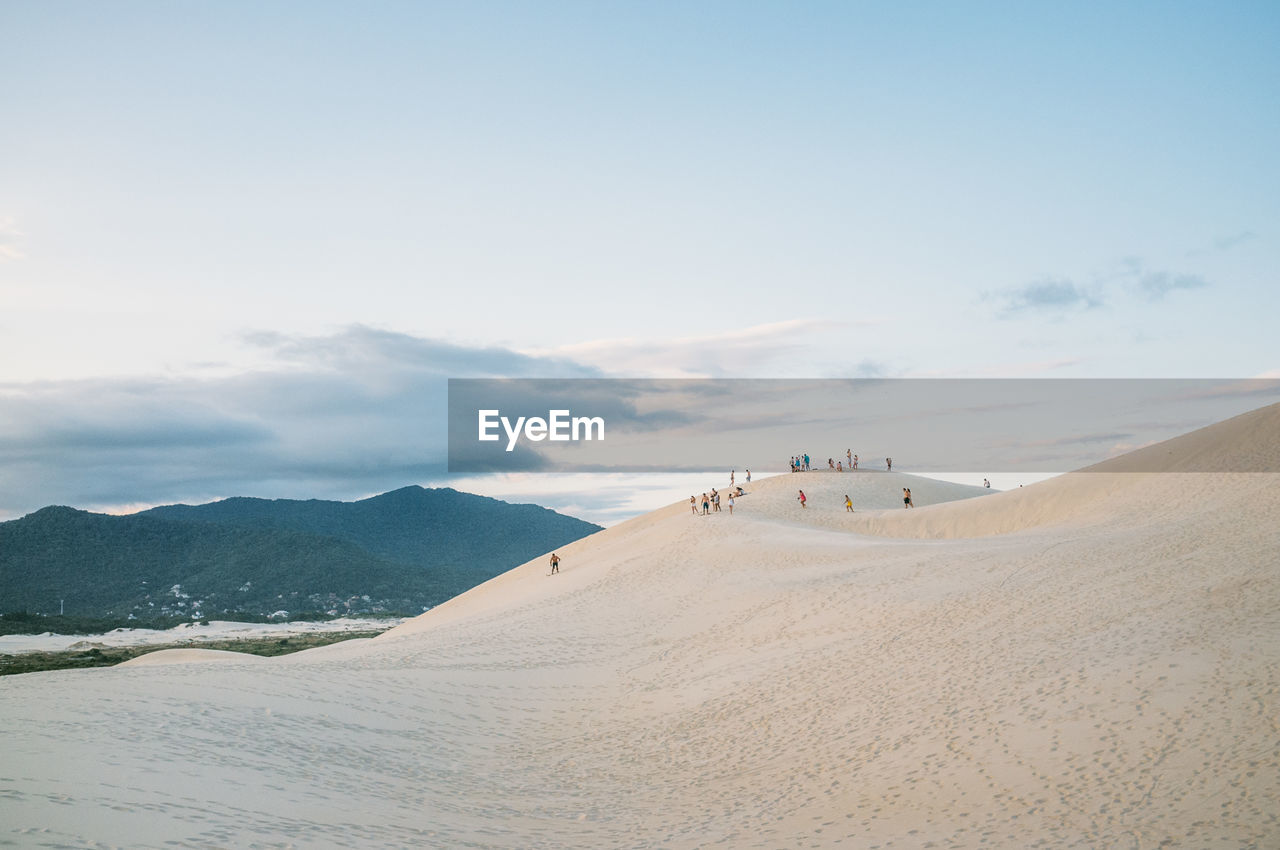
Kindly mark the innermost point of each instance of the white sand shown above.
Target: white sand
(192, 633)
(1089, 662)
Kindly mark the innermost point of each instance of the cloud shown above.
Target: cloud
(1134, 276)
(1224, 243)
(339, 415)
(375, 347)
(1156, 285)
(1054, 295)
(1057, 296)
(342, 415)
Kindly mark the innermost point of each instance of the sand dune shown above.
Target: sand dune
(189, 655)
(1093, 661)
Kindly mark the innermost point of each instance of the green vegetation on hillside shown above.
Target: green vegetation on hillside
(35, 662)
(401, 552)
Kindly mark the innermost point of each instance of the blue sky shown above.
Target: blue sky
(200, 198)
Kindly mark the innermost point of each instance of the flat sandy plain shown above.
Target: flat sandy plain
(1092, 661)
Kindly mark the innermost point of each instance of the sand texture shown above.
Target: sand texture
(1089, 662)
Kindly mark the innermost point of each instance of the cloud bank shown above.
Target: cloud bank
(348, 414)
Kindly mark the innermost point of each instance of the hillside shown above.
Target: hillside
(401, 551)
(1086, 662)
(412, 525)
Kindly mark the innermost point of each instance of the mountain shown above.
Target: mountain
(412, 525)
(401, 551)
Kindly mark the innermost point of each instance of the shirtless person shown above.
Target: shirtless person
(555, 563)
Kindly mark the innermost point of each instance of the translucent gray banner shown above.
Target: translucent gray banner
(935, 425)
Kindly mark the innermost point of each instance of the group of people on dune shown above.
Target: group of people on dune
(848, 503)
(800, 462)
(710, 501)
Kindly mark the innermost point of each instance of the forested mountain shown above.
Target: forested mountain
(400, 552)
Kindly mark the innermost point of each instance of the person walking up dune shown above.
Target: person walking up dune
(555, 563)
(848, 503)
(906, 498)
(802, 499)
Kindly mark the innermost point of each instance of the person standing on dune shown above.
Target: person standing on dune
(906, 498)
(555, 563)
(888, 464)
(802, 499)
(848, 503)
(693, 505)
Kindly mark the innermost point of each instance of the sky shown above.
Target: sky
(243, 245)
